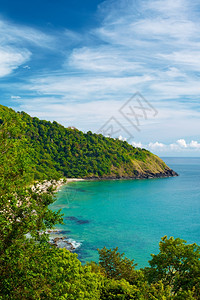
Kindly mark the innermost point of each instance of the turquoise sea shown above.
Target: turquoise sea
(132, 214)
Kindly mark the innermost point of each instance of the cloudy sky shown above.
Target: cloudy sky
(128, 68)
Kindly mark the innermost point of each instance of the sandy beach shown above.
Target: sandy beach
(57, 184)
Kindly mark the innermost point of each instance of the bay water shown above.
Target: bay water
(132, 215)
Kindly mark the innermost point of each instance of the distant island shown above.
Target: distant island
(56, 151)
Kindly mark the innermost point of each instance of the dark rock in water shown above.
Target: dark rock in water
(78, 221)
(64, 231)
(56, 231)
(56, 240)
(71, 218)
(82, 221)
(70, 244)
(59, 240)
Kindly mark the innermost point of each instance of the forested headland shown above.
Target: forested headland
(56, 151)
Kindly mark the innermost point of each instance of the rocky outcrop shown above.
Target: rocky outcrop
(147, 175)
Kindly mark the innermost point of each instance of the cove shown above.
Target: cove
(132, 214)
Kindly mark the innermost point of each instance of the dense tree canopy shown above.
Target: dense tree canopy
(58, 151)
(177, 265)
(23, 210)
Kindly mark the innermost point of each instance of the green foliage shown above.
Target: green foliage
(119, 290)
(22, 209)
(177, 265)
(41, 272)
(156, 291)
(173, 273)
(14, 157)
(57, 151)
(116, 266)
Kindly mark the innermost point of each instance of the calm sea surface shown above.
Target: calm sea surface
(132, 214)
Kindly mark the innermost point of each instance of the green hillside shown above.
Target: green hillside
(58, 151)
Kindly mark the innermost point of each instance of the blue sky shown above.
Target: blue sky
(79, 63)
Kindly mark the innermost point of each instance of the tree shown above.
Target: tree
(38, 271)
(116, 266)
(23, 210)
(118, 290)
(177, 265)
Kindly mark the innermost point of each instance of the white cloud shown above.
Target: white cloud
(189, 59)
(170, 29)
(26, 67)
(180, 147)
(11, 59)
(194, 144)
(11, 33)
(121, 138)
(104, 59)
(132, 23)
(173, 72)
(15, 97)
(172, 89)
(137, 145)
(168, 8)
(16, 42)
(156, 145)
(182, 143)
(88, 87)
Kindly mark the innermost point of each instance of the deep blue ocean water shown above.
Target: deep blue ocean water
(132, 214)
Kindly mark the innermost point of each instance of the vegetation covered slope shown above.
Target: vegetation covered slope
(59, 151)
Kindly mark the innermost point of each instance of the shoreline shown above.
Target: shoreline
(65, 181)
(60, 240)
(57, 184)
(42, 187)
